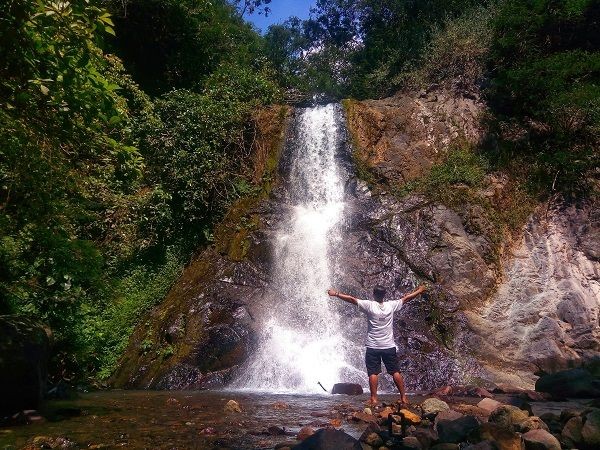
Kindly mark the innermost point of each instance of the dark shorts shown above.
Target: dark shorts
(373, 358)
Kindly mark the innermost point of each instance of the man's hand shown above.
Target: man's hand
(414, 293)
(345, 297)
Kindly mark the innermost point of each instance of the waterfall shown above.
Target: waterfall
(301, 343)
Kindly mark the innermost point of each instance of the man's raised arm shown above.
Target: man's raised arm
(345, 297)
(414, 293)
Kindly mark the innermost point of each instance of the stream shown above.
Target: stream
(197, 420)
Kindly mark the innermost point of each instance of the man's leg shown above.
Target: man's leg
(399, 380)
(373, 381)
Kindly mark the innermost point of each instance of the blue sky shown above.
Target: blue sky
(281, 10)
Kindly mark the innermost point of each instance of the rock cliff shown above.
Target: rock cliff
(506, 302)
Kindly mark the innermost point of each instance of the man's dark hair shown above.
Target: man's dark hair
(378, 293)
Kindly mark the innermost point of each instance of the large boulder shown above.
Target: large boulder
(569, 383)
(329, 439)
(24, 352)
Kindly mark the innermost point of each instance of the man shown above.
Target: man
(380, 336)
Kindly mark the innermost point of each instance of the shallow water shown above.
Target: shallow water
(176, 420)
(181, 420)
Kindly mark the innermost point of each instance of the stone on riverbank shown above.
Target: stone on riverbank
(457, 430)
(591, 429)
(305, 433)
(433, 406)
(569, 383)
(232, 407)
(502, 438)
(329, 439)
(488, 404)
(347, 388)
(509, 417)
(540, 440)
(571, 432)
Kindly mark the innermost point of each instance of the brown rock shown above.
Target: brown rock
(305, 432)
(503, 438)
(488, 405)
(447, 415)
(540, 440)
(425, 436)
(361, 416)
(445, 446)
(470, 410)
(571, 432)
(280, 405)
(508, 417)
(531, 423)
(386, 412)
(373, 439)
(411, 442)
(335, 423)
(410, 416)
(232, 407)
(505, 388)
(591, 429)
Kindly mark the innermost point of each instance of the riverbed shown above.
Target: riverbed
(197, 420)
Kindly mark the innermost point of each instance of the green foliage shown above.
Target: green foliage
(105, 192)
(189, 40)
(458, 50)
(546, 79)
(199, 152)
(462, 168)
(360, 48)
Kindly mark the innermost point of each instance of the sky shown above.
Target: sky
(280, 10)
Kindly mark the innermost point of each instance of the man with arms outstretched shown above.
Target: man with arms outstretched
(380, 336)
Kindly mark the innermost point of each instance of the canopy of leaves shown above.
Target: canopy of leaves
(104, 191)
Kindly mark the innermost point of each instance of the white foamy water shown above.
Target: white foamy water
(301, 343)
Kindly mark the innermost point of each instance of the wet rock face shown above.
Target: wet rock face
(24, 352)
(537, 308)
(544, 315)
(401, 137)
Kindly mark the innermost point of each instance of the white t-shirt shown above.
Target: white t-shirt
(380, 333)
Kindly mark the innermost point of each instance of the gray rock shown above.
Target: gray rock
(329, 439)
(569, 383)
(347, 388)
(457, 430)
(433, 406)
(591, 429)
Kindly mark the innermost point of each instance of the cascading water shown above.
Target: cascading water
(301, 343)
